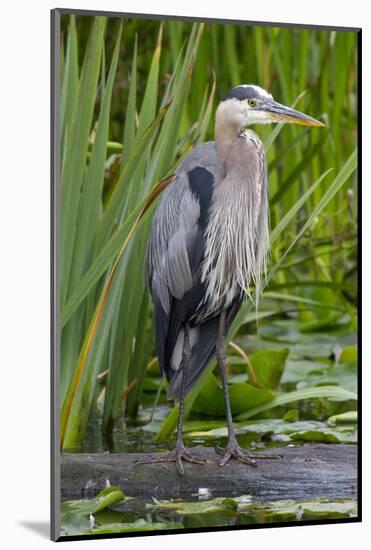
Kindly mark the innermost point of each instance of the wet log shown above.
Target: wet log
(300, 472)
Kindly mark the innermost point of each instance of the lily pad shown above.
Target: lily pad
(275, 333)
(196, 507)
(297, 370)
(317, 436)
(107, 497)
(350, 417)
(210, 400)
(349, 354)
(268, 366)
(81, 526)
(292, 415)
(301, 430)
(291, 510)
(243, 396)
(260, 511)
(139, 525)
(74, 524)
(329, 509)
(344, 375)
(317, 345)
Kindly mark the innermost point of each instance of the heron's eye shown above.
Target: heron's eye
(251, 102)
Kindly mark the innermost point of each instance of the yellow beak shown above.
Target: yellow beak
(282, 113)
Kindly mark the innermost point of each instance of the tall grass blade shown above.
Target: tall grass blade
(74, 416)
(77, 145)
(90, 203)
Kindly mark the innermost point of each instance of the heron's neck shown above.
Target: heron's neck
(226, 132)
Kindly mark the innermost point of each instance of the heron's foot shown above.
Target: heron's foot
(233, 450)
(179, 454)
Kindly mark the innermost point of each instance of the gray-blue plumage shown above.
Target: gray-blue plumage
(207, 248)
(184, 261)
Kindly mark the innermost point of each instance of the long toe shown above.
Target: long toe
(266, 457)
(177, 456)
(179, 464)
(189, 458)
(235, 451)
(183, 454)
(245, 457)
(227, 456)
(168, 457)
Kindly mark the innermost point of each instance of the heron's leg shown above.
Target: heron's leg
(180, 453)
(232, 450)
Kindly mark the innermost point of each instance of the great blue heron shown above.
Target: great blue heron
(208, 246)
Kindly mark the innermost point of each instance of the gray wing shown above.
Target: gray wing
(175, 228)
(175, 246)
(174, 225)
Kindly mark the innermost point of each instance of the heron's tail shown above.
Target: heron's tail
(202, 351)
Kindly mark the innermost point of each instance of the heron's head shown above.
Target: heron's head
(249, 104)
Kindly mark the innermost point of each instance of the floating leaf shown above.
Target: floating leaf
(267, 511)
(344, 375)
(292, 510)
(139, 525)
(107, 497)
(268, 366)
(298, 430)
(349, 355)
(74, 524)
(333, 510)
(319, 437)
(77, 525)
(244, 396)
(350, 417)
(299, 370)
(210, 401)
(196, 507)
(291, 415)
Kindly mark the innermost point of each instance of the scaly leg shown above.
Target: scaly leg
(232, 450)
(180, 453)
